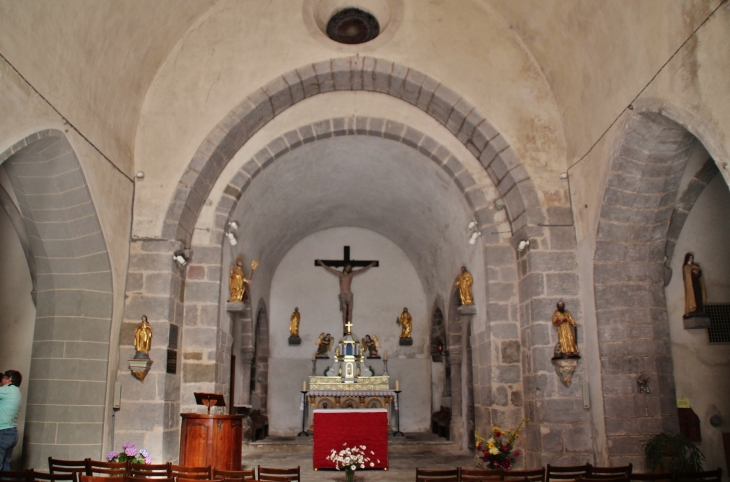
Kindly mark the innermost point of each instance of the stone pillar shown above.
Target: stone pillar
(458, 395)
(240, 315)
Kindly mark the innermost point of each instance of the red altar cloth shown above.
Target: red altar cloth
(334, 428)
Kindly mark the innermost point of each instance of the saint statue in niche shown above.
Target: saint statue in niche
(143, 339)
(695, 296)
(406, 324)
(294, 322)
(464, 282)
(566, 336)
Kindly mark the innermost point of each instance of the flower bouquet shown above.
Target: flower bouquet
(496, 451)
(351, 459)
(130, 453)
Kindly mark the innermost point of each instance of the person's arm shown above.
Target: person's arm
(360, 271)
(333, 271)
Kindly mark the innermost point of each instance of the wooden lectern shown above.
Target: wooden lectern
(213, 440)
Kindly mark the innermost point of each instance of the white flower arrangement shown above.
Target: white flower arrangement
(351, 459)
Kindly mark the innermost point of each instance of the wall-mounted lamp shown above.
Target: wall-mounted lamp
(471, 225)
(643, 383)
(563, 175)
(139, 175)
(474, 236)
(232, 227)
(182, 256)
(523, 244)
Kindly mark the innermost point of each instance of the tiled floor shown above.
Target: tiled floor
(416, 450)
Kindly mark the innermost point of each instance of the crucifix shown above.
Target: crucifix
(345, 277)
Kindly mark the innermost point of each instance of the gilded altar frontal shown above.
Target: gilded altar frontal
(460, 214)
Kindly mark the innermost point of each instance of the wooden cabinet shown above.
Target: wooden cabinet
(211, 440)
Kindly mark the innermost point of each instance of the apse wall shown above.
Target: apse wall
(701, 370)
(379, 298)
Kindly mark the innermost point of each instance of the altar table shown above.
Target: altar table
(335, 429)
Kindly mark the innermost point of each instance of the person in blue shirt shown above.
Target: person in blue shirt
(10, 399)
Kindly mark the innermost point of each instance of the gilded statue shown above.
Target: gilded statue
(694, 287)
(324, 345)
(294, 322)
(564, 321)
(345, 277)
(371, 344)
(464, 282)
(143, 339)
(238, 281)
(406, 324)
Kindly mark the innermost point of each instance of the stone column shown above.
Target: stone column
(457, 429)
(240, 315)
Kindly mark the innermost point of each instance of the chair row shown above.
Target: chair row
(158, 472)
(551, 473)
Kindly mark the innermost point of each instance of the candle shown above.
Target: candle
(397, 386)
(314, 356)
(385, 356)
(304, 386)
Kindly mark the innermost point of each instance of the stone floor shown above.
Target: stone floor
(416, 450)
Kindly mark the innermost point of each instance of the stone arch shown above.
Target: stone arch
(360, 74)
(68, 376)
(639, 207)
(342, 126)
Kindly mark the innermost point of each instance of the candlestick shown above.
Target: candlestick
(397, 386)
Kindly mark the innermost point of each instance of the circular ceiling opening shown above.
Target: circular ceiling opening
(352, 26)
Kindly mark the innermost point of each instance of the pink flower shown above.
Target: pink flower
(507, 464)
(517, 454)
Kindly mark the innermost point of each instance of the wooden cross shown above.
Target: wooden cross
(336, 263)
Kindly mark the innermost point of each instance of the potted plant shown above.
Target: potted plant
(670, 452)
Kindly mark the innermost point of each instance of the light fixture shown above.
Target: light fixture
(474, 236)
(182, 256)
(523, 244)
(139, 175)
(232, 226)
(471, 225)
(563, 175)
(232, 238)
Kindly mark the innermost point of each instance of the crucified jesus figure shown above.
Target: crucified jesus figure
(345, 277)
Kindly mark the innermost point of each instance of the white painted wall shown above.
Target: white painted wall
(17, 315)
(701, 370)
(379, 297)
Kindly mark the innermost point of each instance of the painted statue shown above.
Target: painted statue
(406, 324)
(143, 339)
(694, 287)
(345, 277)
(371, 344)
(294, 322)
(324, 345)
(238, 281)
(464, 282)
(564, 321)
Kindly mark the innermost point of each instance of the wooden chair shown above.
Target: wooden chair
(659, 477)
(101, 478)
(706, 476)
(130, 478)
(182, 479)
(610, 471)
(553, 473)
(154, 471)
(267, 473)
(58, 466)
(525, 475)
(235, 474)
(61, 477)
(199, 473)
(480, 475)
(444, 475)
(603, 478)
(111, 469)
(17, 476)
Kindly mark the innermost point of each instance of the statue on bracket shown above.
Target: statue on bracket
(566, 354)
(406, 326)
(371, 344)
(324, 345)
(694, 288)
(238, 281)
(464, 282)
(294, 327)
(143, 339)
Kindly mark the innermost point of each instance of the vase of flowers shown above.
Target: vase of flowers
(129, 453)
(351, 459)
(496, 451)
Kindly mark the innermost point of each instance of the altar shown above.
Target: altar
(349, 384)
(336, 429)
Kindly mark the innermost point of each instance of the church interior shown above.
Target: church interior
(570, 150)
